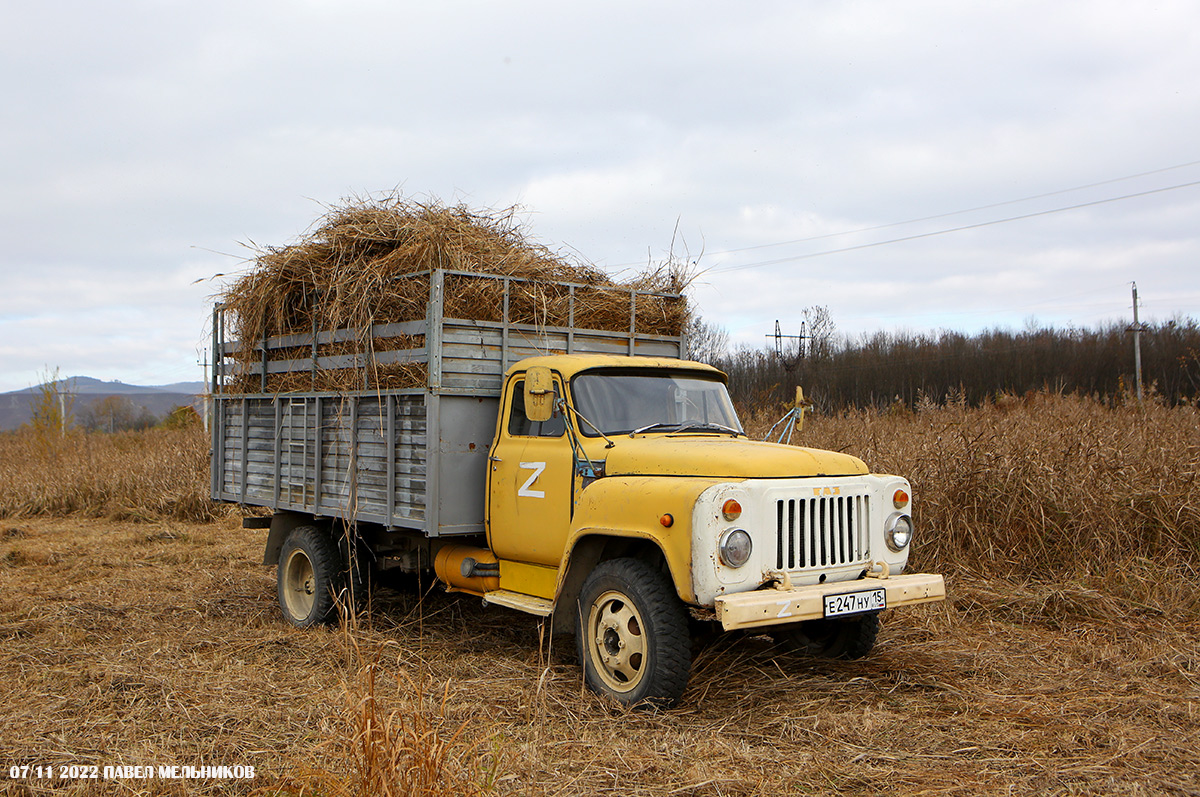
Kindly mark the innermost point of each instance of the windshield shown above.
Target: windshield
(621, 401)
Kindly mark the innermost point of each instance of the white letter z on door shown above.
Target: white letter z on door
(526, 488)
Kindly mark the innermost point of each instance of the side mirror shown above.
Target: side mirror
(539, 394)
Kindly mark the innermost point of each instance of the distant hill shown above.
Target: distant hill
(190, 388)
(16, 407)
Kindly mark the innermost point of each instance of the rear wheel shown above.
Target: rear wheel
(310, 577)
(848, 638)
(634, 643)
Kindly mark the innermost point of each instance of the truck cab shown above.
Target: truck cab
(625, 501)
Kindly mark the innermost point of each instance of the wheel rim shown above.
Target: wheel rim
(617, 642)
(299, 585)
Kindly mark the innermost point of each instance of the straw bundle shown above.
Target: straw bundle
(360, 266)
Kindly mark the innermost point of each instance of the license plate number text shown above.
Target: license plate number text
(871, 600)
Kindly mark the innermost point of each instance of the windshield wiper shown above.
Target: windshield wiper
(686, 426)
(706, 425)
(650, 426)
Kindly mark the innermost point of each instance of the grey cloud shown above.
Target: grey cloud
(144, 137)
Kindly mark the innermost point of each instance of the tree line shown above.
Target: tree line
(54, 411)
(886, 369)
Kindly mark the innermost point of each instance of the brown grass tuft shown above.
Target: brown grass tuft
(409, 751)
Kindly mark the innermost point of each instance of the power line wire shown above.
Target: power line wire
(959, 212)
(936, 216)
(918, 236)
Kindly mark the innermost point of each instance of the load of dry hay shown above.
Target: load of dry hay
(362, 264)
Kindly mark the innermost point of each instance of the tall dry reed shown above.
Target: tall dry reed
(1043, 487)
(156, 473)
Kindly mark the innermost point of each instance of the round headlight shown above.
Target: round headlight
(899, 532)
(735, 548)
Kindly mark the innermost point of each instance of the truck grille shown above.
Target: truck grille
(822, 532)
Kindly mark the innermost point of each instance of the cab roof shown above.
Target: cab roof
(568, 365)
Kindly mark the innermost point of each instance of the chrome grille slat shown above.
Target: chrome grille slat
(781, 537)
(803, 531)
(825, 531)
(791, 536)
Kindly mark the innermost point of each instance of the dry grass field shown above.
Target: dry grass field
(139, 631)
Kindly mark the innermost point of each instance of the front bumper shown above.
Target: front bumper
(777, 606)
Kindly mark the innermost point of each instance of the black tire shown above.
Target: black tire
(633, 639)
(848, 638)
(310, 577)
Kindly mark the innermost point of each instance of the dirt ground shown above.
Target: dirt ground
(160, 645)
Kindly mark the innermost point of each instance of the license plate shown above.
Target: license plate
(871, 600)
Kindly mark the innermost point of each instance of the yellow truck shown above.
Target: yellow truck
(590, 477)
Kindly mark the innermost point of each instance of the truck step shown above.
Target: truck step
(522, 603)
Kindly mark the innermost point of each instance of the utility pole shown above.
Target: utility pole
(207, 393)
(1136, 329)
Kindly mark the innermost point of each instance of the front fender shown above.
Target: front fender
(634, 507)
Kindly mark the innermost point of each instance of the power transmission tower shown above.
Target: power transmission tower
(789, 364)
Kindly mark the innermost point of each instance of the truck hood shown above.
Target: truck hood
(724, 458)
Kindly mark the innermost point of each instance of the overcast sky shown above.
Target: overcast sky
(145, 143)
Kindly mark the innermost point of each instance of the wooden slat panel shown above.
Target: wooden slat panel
(333, 336)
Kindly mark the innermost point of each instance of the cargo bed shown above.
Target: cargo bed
(410, 457)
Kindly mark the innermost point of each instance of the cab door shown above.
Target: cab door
(530, 480)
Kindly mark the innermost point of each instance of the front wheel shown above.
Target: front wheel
(634, 644)
(309, 578)
(849, 638)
